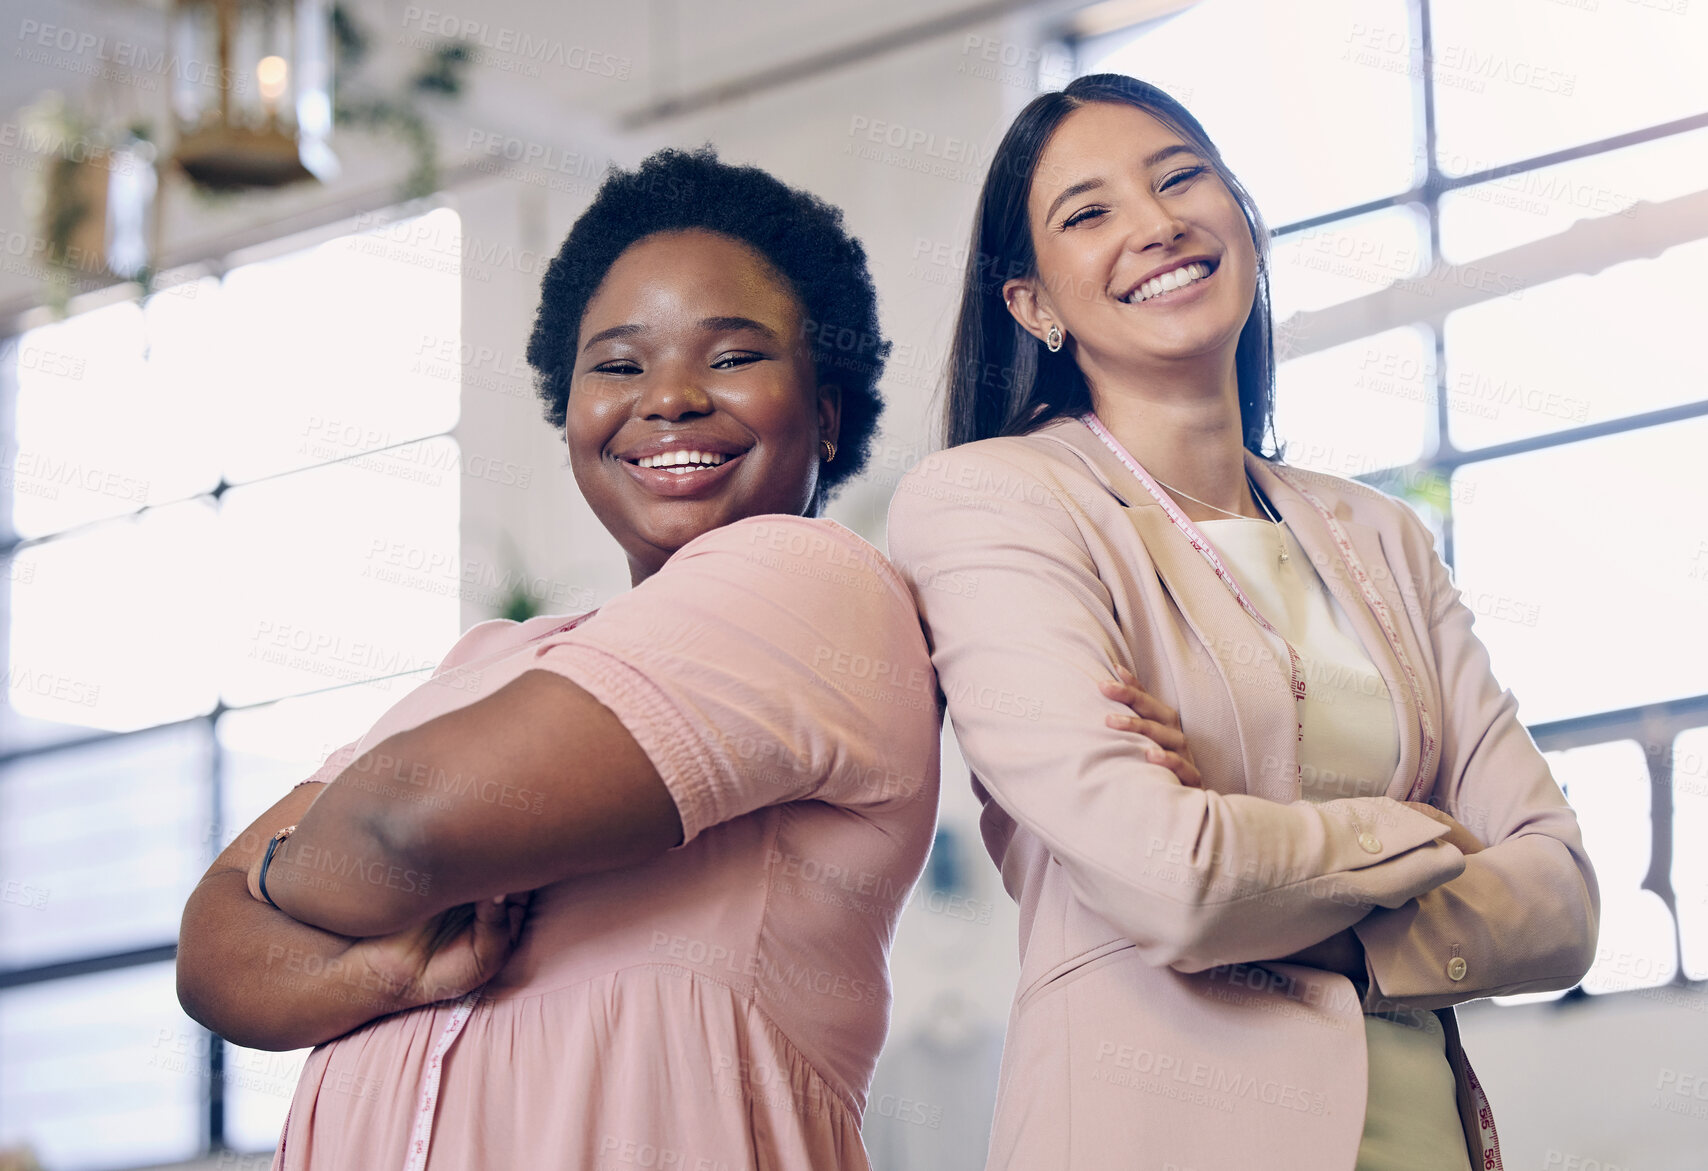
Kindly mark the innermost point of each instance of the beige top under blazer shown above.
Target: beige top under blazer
(1148, 1030)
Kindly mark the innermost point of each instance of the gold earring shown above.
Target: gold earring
(1053, 339)
(829, 450)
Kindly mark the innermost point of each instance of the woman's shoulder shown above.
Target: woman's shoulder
(1402, 531)
(796, 558)
(1045, 476)
(811, 535)
(816, 539)
(498, 636)
(1043, 452)
(1349, 498)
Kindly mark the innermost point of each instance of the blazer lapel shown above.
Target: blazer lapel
(1314, 534)
(1264, 711)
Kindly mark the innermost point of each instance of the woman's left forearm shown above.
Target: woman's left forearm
(532, 784)
(1521, 918)
(348, 867)
(1340, 952)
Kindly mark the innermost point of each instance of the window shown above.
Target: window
(1345, 67)
(1689, 792)
(204, 494)
(1485, 270)
(103, 1069)
(1527, 77)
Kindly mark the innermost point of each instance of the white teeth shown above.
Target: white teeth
(683, 461)
(1168, 281)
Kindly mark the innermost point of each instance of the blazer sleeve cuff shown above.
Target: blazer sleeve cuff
(1517, 920)
(1390, 854)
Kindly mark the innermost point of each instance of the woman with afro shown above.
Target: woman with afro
(617, 890)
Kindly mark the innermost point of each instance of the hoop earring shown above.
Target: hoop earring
(829, 450)
(1053, 339)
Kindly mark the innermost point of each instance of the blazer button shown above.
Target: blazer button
(1456, 968)
(1370, 843)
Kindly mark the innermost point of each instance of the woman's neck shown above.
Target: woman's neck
(1192, 443)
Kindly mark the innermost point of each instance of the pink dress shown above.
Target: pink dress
(722, 1006)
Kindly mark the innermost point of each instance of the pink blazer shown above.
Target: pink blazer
(1148, 1029)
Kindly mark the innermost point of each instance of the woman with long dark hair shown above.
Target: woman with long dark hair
(719, 787)
(1312, 821)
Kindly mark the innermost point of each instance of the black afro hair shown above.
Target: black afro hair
(801, 236)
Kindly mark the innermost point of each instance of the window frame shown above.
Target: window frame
(214, 1129)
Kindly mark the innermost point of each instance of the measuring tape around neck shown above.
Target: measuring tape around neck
(1372, 599)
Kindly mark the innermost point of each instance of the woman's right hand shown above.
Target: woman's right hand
(1155, 720)
(453, 953)
(1457, 834)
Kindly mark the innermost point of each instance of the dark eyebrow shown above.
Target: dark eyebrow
(708, 324)
(727, 324)
(607, 334)
(1085, 185)
(1079, 188)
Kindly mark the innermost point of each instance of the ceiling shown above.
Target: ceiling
(538, 61)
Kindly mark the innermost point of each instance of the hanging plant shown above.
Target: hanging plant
(88, 166)
(400, 114)
(93, 198)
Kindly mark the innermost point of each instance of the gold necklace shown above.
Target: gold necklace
(1280, 528)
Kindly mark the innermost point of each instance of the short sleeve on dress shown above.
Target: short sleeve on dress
(340, 760)
(479, 641)
(775, 659)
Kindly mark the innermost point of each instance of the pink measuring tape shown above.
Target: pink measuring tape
(1207, 551)
(1377, 605)
(1485, 1119)
(421, 1133)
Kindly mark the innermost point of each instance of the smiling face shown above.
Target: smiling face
(1144, 257)
(693, 402)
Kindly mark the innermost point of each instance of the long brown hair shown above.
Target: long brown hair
(1001, 379)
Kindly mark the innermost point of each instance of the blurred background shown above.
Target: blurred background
(270, 446)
